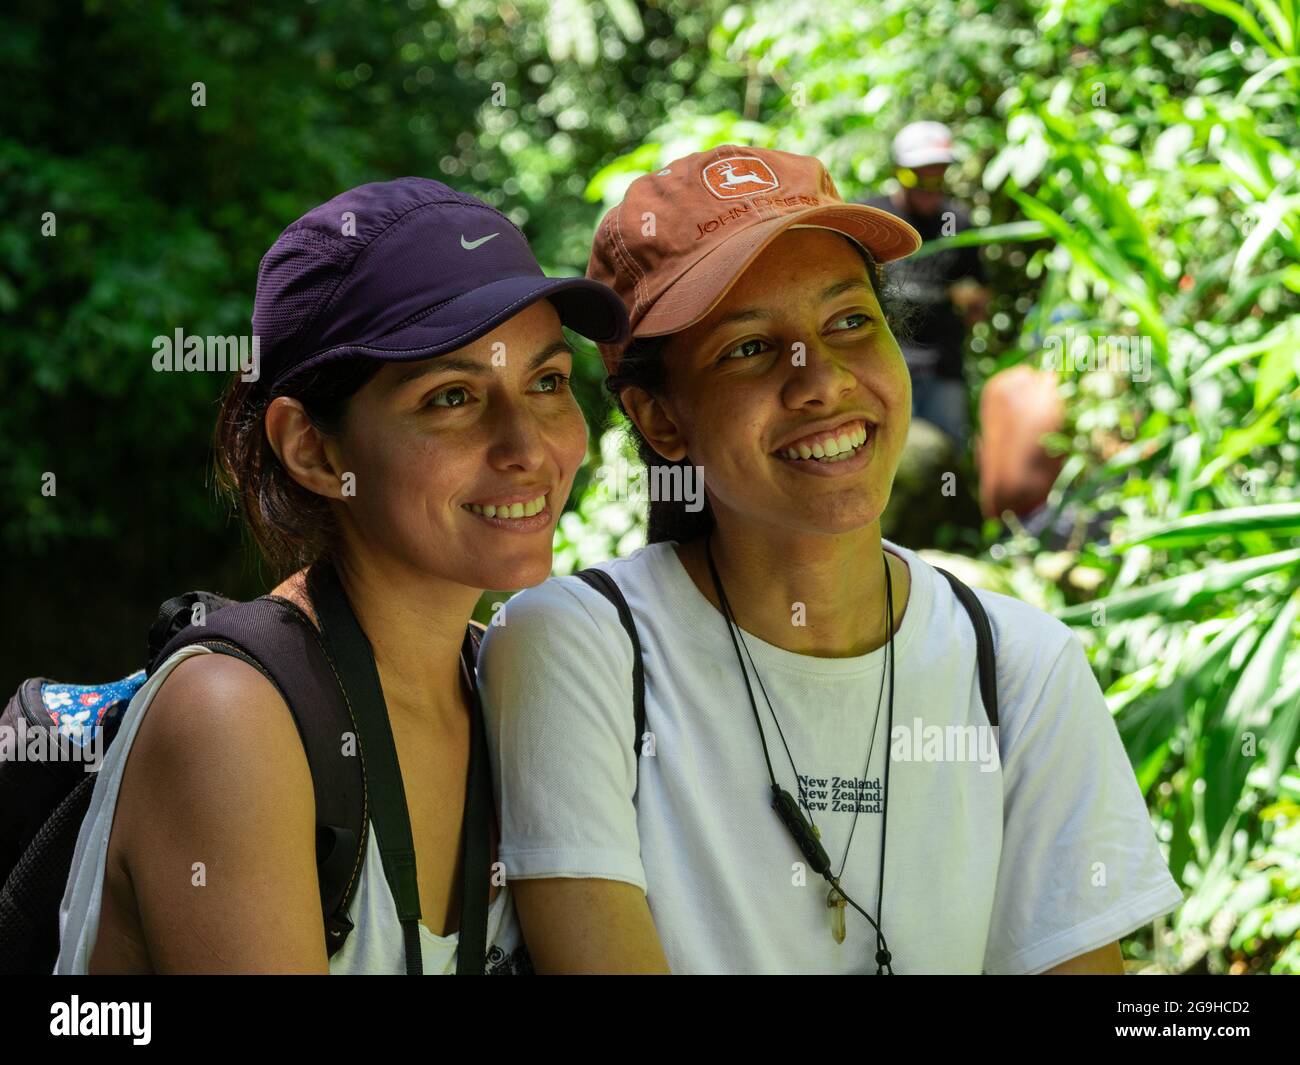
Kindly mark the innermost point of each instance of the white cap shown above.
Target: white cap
(923, 143)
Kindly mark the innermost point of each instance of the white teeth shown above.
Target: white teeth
(508, 510)
(834, 449)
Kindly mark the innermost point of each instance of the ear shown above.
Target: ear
(310, 457)
(655, 423)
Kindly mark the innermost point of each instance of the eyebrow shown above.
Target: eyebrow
(752, 314)
(451, 364)
(847, 285)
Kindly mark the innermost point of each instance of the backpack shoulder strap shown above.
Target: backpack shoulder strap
(984, 650)
(606, 586)
(274, 636)
(984, 646)
(475, 631)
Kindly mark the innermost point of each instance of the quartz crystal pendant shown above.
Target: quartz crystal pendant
(836, 903)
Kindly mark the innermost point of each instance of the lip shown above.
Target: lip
(860, 458)
(817, 428)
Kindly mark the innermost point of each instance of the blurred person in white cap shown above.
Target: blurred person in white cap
(947, 290)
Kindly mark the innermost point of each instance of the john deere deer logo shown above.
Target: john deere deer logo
(739, 175)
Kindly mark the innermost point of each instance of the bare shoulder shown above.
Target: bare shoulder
(217, 709)
(215, 826)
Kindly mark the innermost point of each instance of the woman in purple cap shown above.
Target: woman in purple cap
(412, 434)
(798, 747)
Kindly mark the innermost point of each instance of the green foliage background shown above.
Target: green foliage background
(1136, 166)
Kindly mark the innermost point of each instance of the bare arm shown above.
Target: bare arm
(1104, 961)
(580, 925)
(217, 813)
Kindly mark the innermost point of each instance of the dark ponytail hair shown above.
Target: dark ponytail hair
(642, 366)
(291, 525)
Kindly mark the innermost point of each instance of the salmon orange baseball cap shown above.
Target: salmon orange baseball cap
(683, 235)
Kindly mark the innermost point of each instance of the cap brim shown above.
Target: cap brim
(703, 285)
(588, 307)
(927, 157)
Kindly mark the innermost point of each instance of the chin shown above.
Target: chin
(834, 520)
(524, 573)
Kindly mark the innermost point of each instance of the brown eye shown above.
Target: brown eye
(456, 396)
(746, 350)
(857, 321)
(558, 382)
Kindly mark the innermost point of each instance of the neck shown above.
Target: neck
(807, 593)
(415, 624)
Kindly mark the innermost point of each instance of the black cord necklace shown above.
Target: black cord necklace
(805, 833)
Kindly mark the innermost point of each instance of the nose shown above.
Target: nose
(822, 381)
(517, 441)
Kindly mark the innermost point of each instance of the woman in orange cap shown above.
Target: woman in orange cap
(830, 777)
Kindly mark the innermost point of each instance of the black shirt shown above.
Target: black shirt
(937, 333)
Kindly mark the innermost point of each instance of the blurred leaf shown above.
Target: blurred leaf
(1175, 595)
(1274, 519)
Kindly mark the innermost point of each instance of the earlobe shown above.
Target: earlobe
(302, 449)
(655, 423)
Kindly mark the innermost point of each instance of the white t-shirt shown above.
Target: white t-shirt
(374, 946)
(1008, 861)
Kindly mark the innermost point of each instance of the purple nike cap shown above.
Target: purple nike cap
(404, 270)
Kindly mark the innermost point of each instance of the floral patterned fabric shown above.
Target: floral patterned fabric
(79, 709)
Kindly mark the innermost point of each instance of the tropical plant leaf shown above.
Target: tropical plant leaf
(1173, 597)
(1272, 519)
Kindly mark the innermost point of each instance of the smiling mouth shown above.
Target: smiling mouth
(508, 511)
(834, 445)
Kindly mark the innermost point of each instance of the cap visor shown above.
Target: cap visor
(704, 284)
(927, 157)
(588, 307)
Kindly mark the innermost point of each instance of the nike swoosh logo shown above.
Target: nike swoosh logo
(470, 245)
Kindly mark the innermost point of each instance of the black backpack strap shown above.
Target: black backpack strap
(984, 651)
(274, 636)
(177, 614)
(984, 647)
(606, 586)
